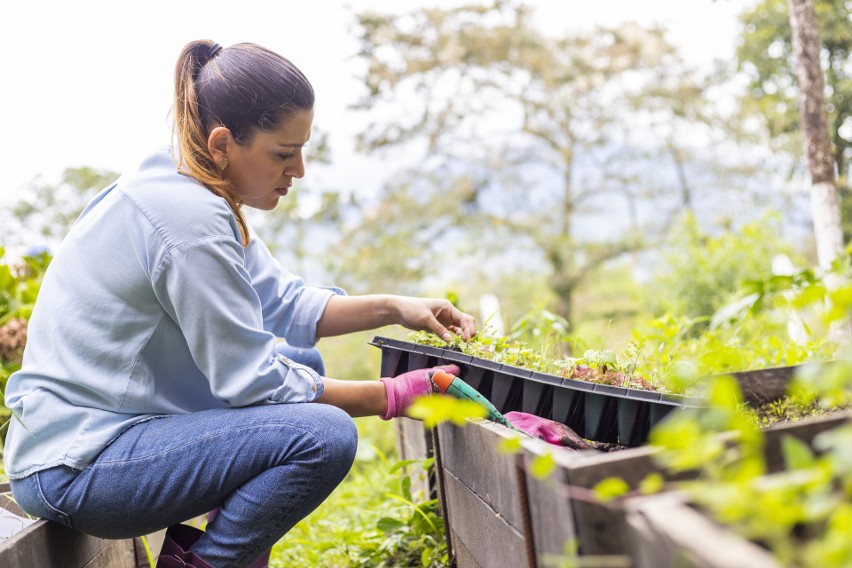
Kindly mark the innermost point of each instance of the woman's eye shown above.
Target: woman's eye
(285, 156)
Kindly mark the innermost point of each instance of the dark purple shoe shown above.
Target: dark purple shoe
(175, 552)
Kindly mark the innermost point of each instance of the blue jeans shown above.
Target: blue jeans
(309, 356)
(266, 467)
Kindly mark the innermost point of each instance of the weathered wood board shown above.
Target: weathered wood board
(481, 535)
(665, 533)
(35, 543)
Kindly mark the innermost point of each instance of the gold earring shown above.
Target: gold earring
(223, 163)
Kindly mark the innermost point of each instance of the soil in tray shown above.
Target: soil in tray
(605, 446)
(789, 410)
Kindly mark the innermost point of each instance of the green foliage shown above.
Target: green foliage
(433, 410)
(610, 488)
(46, 212)
(374, 518)
(542, 465)
(574, 99)
(19, 286)
(766, 55)
(798, 514)
(703, 271)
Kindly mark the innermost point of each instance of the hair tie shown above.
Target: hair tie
(214, 49)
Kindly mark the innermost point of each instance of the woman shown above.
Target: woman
(153, 386)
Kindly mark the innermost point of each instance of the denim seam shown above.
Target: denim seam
(66, 518)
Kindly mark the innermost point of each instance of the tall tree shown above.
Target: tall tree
(825, 204)
(766, 54)
(526, 137)
(824, 199)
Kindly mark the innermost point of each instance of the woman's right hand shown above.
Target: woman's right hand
(403, 389)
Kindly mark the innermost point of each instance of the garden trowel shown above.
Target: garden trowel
(457, 388)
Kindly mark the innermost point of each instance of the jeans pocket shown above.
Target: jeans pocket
(45, 482)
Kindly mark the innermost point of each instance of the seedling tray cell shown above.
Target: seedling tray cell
(569, 408)
(480, 379)
(537, 398)
(506, 392)
(633, 421)
(603, 413)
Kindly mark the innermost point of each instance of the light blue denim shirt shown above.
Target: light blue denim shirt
(153, 307)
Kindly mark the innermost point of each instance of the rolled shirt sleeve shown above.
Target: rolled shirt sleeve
(206, 288)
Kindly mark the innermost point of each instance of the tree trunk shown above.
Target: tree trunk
(561, 280)
(825, 203)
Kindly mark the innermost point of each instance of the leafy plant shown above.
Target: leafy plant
(19, 286)
(374, 518)
(797, 514)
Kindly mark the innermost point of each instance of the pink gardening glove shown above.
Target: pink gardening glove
(548, 430)
(404, 388)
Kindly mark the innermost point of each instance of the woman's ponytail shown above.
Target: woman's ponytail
(190, 130)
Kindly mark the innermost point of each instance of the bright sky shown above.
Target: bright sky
(90, 83)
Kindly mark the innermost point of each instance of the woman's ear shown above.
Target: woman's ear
(219, 144)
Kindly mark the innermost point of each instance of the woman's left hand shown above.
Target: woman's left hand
(440, 317)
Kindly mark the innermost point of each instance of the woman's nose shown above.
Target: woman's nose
(297, 168)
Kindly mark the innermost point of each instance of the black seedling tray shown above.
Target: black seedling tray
(597, 412)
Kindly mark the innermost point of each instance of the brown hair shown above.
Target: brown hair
(245, 88)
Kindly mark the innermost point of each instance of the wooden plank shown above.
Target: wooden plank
(549, 505)
(416, 444)
(116, 554)
(765, 385)
(480, 530)
(463, 557)
(471, 454)
(46, 543)
(665, 533)
(805, 430)
(601, 527)
(12, 523)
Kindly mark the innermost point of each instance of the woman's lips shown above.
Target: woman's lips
(282, 191)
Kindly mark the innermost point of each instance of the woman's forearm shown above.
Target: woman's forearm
(357, 398)
(347, 314)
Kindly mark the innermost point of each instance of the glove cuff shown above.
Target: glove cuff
(391, 394)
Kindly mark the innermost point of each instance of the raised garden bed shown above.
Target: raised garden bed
(496, 509)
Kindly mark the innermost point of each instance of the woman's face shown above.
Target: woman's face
(263, 171)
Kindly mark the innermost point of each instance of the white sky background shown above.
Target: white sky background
(89, 83)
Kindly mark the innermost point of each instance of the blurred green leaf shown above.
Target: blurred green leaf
(610, 488)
